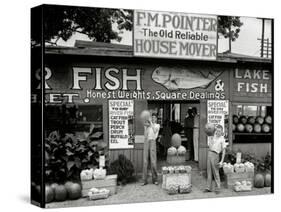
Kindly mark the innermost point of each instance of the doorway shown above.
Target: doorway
(172, 117)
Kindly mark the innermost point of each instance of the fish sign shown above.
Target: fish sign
(174, 78)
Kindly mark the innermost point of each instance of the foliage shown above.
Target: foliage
(62, 118)
(124, 169)
(229, 27)
(61, 22)
(261, 164)
(66, 157)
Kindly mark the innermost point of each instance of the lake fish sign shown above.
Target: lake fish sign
(175, 35)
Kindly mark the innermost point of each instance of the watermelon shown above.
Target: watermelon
(257, 128)
(267, 180)
(251, 120)
(243, 120)
(235, 119)
(259, 181)
(176, 140)
(74, 191)
(210, 129)
(49, 194)
(181, 150)
(240, 127)
(249, 128)
(172, 151)
(268, 120)
(60, 193)
(233, 127)
(265, 128)
(145, 115)
(259, 120)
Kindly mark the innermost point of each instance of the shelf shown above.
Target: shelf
(88, 122)
(244, 133)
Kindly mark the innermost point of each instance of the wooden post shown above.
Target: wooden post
(262, 37)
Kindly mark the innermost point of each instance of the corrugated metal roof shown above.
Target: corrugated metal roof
(118, 50)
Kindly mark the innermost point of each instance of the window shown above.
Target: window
(252, 123)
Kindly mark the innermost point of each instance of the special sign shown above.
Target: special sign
(121, 113)
(175, 35)
(217, 110)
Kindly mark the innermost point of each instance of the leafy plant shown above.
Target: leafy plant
(66, 156)
(124, 169)
(229, 27)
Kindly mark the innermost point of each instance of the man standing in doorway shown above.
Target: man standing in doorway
(151, 130)
(188, 129)
(195, 133)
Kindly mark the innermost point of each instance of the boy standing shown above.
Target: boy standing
(151, 130)
(216, 145)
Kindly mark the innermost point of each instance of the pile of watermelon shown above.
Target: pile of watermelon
(62, 192)
(252, 124)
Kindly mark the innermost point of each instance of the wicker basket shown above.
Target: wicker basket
(97, 196)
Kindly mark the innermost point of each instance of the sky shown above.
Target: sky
(247, 43)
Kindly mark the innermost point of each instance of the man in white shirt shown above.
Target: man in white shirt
(216, 145)
(151, 130)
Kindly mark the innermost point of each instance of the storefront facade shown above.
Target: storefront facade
(111, 92)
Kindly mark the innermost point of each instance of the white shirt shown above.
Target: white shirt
(152, 131)
(217, 144)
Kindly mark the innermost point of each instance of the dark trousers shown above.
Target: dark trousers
(190, 145)
(213, 170)
(149, 157)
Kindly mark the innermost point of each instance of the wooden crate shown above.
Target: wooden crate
(175, 159)
(231, 178)
(179, 179)
(110, 183)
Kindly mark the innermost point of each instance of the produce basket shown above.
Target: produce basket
(102, 194)
(243, 186)
(240, 169)
(183, 189)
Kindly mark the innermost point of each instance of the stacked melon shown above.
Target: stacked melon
(61, 192)
(176, 149)
(252, 124)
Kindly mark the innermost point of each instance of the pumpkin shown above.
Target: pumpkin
(265, 128)
(176, 140)
(249, 128)
(257, 128)
(251, 120)
(243, 120)
(240, 127)
(74, 191)
(49, 194)
(267, 180)
(181, 150)
(60, 193)
(259, 181)
(172, 151)
(260, 120)
(210, 129)
(268, 119)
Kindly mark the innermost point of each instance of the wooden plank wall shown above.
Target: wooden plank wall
(135, 155)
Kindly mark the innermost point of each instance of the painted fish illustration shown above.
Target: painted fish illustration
(174, 78)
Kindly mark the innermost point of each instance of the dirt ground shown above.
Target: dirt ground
(135, 193)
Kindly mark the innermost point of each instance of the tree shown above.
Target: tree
(229, 27)
(61, 22)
